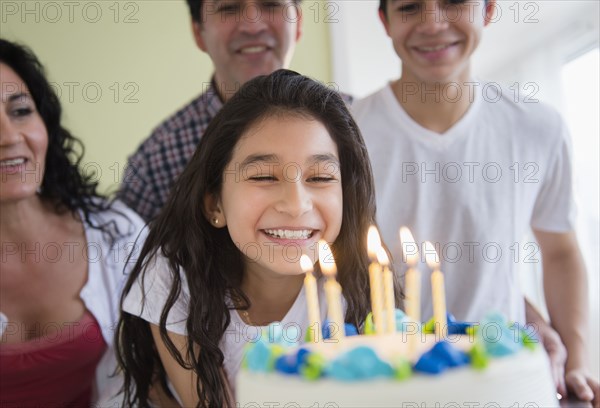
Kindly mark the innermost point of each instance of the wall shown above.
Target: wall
(121, 67)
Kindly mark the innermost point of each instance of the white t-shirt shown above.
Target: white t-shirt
(157, 284)
(107, 269)
(474, 191)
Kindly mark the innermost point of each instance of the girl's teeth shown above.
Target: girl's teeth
(289, 234)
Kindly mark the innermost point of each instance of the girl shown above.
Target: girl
(281, 166)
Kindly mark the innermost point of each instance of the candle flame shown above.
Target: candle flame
(409, 247)
(373, 242)
(326, 259)
(306, 264)
(382, 257)
(431, 256)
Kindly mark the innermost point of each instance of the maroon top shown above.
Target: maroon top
(57, 369)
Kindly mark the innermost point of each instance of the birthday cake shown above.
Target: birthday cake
(492, 364)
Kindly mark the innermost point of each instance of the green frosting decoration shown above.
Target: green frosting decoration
(479, 356)
(309, 335)
(529, 342)
(429, 326)
(313, 367)
(369, 325)
(471, 331)
(402, 369)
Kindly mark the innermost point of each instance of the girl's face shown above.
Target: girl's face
(282, 192)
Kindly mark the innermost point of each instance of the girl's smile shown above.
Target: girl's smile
(287, 192)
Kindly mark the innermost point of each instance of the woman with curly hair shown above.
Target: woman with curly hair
(63, 252)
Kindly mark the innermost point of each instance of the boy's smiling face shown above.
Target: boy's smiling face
(282, 192)
(436, 38)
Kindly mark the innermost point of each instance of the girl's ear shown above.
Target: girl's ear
(214, 211)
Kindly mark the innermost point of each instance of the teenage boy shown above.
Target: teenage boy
(466, 165)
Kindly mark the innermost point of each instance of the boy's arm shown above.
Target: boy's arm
(552, 344)
(565, 289)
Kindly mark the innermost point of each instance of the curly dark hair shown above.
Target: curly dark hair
(64, 184)
(209, 259)
(195, 7)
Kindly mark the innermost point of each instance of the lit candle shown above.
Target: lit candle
(413, 276)
(333, 292)
(389, 300)
(437, 291)
(312, 297)
(373, 245)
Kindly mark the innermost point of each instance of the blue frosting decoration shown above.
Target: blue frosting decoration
(454, 326)
(276, 333)
(441, 357)
(498, 338)
(360, 363)
(404, 324)
(349, 329)
(457, 327)
(258, 357)
(290, 364)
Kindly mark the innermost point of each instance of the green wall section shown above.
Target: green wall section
(121, 67)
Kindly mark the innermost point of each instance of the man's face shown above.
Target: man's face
(436, 38)
(247, 38)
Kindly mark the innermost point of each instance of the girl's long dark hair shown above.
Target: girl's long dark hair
(212, 264)
(64, 184)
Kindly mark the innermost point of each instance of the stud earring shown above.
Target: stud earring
(215, 221)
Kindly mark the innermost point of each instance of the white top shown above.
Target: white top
(156, 288)
(107, 269)
(473, 191)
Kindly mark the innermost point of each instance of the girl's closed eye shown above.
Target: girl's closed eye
(322, 178)
(262, 177)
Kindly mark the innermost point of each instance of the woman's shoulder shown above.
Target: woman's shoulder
(124, 221)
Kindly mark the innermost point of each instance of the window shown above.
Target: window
(582, 99)
(581, 89)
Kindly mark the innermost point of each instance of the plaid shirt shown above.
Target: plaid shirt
(160, 159)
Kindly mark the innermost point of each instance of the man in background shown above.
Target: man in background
(244, 39)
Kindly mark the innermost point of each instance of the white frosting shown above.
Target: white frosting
(519, 380)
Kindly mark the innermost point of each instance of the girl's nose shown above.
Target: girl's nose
(295, 199)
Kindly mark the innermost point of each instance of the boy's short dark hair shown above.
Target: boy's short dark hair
(383, 6)
(195, 7)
